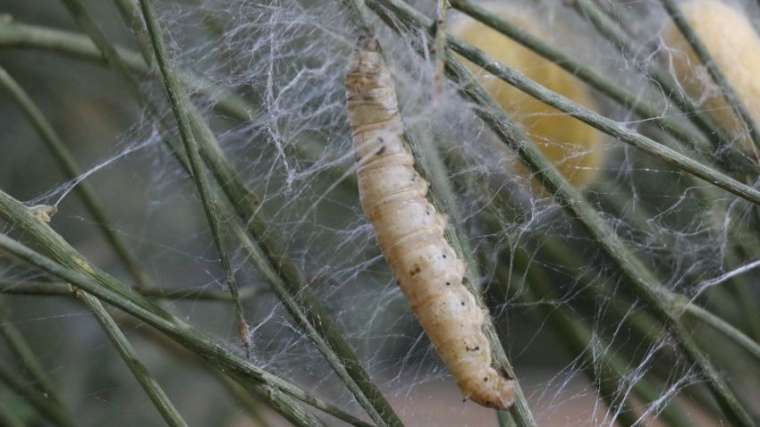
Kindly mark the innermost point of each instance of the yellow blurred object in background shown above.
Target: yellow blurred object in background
(734, 46)
(576, 149)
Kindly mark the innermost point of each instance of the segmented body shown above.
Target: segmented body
(410, 233)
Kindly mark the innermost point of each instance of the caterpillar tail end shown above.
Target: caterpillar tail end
(502, 399)
(497, 393)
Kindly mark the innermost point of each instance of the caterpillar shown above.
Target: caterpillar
(575, 148)
(734, 46)
(410, 232)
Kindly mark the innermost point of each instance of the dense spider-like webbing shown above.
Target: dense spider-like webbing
(581, 340)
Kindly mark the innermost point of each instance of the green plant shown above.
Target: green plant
(229, 239)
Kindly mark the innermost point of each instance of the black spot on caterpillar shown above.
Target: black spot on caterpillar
(410, 233)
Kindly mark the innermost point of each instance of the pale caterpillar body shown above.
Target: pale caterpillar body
(410, 232)
(576, 149)
(733, 44)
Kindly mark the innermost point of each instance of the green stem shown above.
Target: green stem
(110, 55)
(176, 294)
(250, 396)
(179, 102)
(25, 355)
(356, 380)
(721, 326)
(280, 270)
(575, 334)
(66, 162)
(126, 351)
(98, 285)
(286, 406)
(18, 35)
(247, 401)
(48, 408)
(439, 46)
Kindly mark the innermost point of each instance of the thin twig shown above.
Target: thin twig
(68, 164)
(286, 406)
(26, 357)
(179, 102)
(177, 294)
(110, 55)
(614, 12)
(247, 401)
(251, 396)
(48, 408)
(646, 285)
(439, 48)
(334, 348)
(18, 35)
(577, 335)
(151, 387)
(85, 277)
(722, 326)
(273, 261)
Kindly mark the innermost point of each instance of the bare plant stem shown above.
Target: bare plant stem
(85, 277)
(372, 401)
(439, 47)
(661, 301)
(110, 55)
(250, 395)
(615, 13)
(18, 35)
(179, 102)
(48, 408)
(66, 162)
(151, 387)
(282, 273)
(26, 357)
(286, 406)
(176, 294)
(247, 400)
(575, 333)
